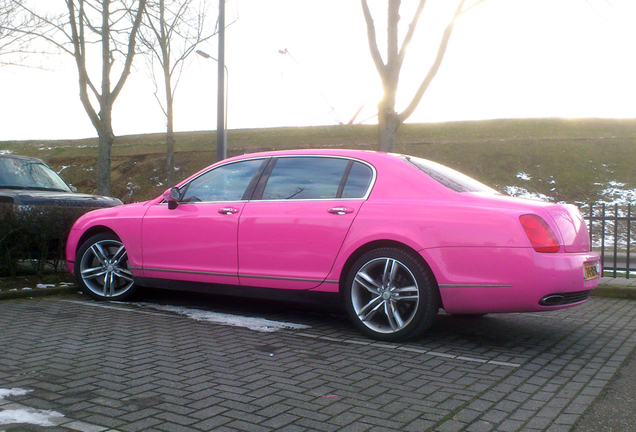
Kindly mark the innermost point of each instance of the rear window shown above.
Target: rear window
(448, 177)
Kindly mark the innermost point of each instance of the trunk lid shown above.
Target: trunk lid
(572, 227)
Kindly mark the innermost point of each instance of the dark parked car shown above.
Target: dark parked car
(37, 210)
(30, 181)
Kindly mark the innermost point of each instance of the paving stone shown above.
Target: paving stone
(107, 366)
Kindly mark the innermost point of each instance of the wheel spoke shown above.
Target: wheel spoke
(370, 309)
(367, 282)
(124, 274)
(108, 278)
(99, 253)
(94, 272)
(388, 275)
(406, 293)
(120, 254)
(395, 320)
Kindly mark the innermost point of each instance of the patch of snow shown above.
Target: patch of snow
(25, 415)
(615, 193)
(29, 416)
(520, 192)
(252, 323)
(12, 392)
(523, 176)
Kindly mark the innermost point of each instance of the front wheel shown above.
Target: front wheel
(390, 295)
(102, 269)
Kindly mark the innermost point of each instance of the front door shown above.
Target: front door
(197, 241)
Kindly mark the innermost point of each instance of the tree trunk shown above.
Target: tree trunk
(388, 124)
(106, 140)
(170, 144)
(388, 119)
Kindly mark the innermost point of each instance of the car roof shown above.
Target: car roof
(26, 158)
(364, 155)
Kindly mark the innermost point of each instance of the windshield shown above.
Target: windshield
(29, 174)
(450, 178)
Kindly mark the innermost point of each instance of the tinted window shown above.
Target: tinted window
(358, 181)
(305, 178)
(225, 183)
(447, 176)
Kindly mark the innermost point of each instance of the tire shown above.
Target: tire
(102, 269)
(390, 295)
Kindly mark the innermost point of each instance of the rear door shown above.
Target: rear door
(291, 233)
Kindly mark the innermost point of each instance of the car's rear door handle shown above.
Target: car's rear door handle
(340, 210)
(228, 210)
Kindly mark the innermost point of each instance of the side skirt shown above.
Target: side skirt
(299, 296)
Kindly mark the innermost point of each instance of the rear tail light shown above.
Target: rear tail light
(539, 233)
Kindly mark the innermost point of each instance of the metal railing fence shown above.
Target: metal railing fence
(612, 235)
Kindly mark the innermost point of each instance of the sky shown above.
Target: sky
(506, 59)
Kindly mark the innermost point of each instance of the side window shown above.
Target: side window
(225, 183)
(305, 178)
(358, 181)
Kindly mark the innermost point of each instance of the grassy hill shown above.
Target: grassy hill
(584, 160)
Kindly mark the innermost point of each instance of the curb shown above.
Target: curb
(612, 291)
(37, 292)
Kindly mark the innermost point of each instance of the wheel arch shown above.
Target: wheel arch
(377, 244)
(92, 231)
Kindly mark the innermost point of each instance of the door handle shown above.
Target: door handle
(228, 210)
(340, 210)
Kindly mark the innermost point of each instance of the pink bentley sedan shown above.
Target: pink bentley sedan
(397, 237)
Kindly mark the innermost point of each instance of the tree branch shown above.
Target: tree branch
(437, 63)
(373, 43)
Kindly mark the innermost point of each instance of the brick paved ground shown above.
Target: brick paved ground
(130, 367)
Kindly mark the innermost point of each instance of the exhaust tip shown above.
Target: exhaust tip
(552, 300)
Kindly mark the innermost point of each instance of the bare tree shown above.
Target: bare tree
(171, 32)
(101, 35)
(16, 32)
(388, 119)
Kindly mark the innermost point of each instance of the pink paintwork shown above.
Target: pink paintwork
(478, 253)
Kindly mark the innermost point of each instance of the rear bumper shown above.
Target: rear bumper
(490, 280)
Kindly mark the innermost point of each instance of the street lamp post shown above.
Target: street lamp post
(221, 118)
(221, 105)
(221, 150)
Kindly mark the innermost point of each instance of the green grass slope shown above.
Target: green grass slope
(583, 160)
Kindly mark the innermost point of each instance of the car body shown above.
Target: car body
(30, 181)
(397, 237)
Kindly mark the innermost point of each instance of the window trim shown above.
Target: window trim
(249, 191)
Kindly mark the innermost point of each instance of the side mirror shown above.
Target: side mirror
(171, 196)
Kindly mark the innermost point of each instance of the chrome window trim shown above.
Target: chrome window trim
(221, 165)
(374, 176)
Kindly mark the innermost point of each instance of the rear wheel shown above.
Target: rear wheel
(102, 269)
(390, 295)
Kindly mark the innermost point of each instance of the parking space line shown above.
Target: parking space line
(411, 349)
(341, 340)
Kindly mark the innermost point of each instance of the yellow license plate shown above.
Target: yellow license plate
(591, 271)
